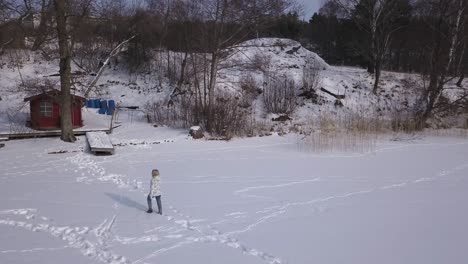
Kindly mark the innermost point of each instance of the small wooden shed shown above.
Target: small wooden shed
(45, 110)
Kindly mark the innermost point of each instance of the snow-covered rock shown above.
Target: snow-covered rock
(273, 56)
(196, 132)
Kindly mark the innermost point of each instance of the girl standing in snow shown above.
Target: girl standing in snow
(155, 191)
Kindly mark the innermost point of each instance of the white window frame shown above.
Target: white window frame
(46, 108)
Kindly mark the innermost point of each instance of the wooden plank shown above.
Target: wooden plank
(337, 96)
(47, 133)
(99, 142)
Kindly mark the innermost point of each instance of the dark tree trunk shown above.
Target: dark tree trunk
(211, 90)
(440, 66)
(378, 72)
(65, 70)
(371, 68)
(42, 31)
(460, 81)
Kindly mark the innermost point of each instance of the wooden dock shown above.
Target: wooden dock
(46, 133)
(99, 143)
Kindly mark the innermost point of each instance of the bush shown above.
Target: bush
(229, 119)
(279, 95)
(260, 62)
(181, 114)
(249, 91)
(311, 78)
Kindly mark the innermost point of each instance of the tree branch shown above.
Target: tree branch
(113, 53)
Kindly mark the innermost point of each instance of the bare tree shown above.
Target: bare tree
(12, 15)
(65, 71)
(44, 28)
(463, 61)
(379, 19)
(229, 22)
(112, 54)
(13, 10)
(65, 27)
(446, 19)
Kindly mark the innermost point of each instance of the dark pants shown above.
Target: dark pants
(158, 201)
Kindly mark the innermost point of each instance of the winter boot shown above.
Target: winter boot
(149, 211)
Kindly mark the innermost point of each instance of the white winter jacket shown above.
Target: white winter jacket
(155, 186)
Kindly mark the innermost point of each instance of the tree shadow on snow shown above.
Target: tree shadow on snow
(124, 200)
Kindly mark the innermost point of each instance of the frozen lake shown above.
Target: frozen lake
(257, 200)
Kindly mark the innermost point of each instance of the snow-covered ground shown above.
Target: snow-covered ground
(256, 200)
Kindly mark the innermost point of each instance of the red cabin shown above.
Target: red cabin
(45, 110)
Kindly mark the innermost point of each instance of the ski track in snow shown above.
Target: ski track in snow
(247, 189)
(76, 237)
(31, 250)
(281, 209)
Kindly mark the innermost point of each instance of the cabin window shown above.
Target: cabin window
(46, 109)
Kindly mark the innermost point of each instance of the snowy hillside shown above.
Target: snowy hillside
(282, 57)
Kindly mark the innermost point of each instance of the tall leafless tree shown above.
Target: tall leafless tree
(12, 14)
(446, 19)
(65, 71)
(379, 19)
(65, 9)
(229, 22)
(44, 28)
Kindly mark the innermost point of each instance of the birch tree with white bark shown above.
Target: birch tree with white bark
(379, 19)
(447, 20)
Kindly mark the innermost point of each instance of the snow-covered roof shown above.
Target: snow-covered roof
(51, 93)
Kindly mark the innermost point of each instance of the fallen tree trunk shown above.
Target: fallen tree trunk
(337, 96)
(113, 53)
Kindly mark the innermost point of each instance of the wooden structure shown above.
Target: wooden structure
(337, 96)
(49, 133)
(45, 110)
(99, 143)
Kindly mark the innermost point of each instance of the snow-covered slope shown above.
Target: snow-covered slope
(255, 58)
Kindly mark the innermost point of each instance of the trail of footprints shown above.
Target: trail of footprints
(76, 237)
(208, 234)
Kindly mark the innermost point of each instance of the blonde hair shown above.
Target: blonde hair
(154, 173)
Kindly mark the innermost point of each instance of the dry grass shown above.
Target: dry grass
(359, 133)
(349, 133)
